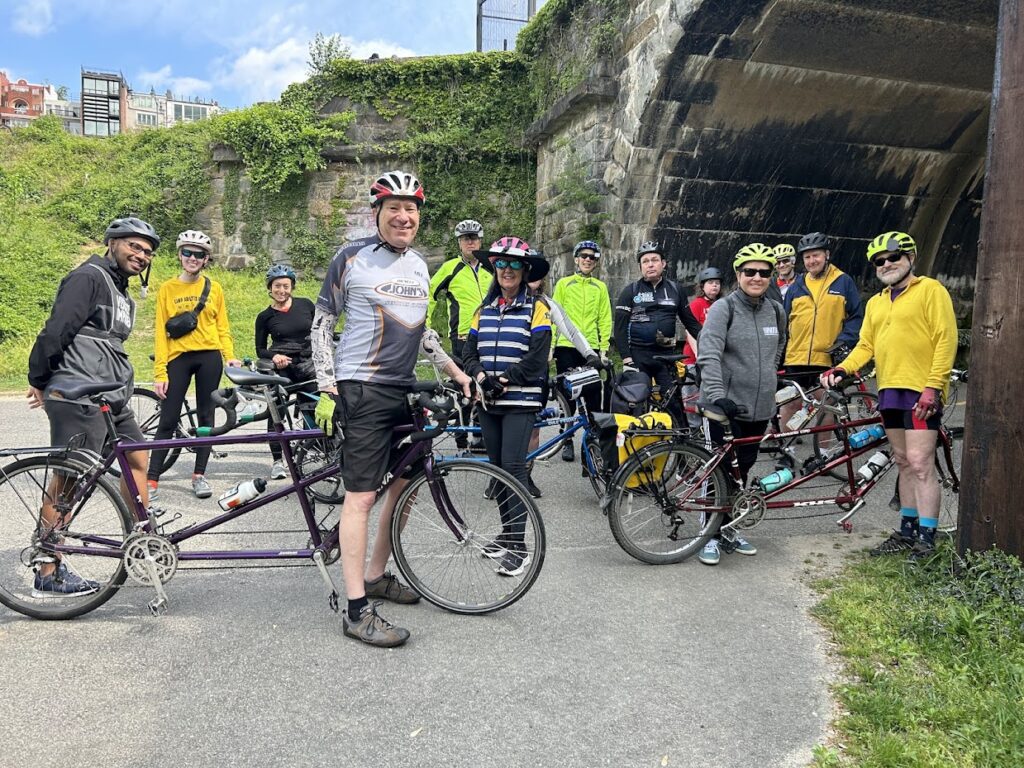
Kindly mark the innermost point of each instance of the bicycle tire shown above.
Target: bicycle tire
(101, 512)
(860, 405)
(146, 404)
(949, 478)
(451, 570)
(563, 411)
(655, 495)
(313, 455)
(593, 465)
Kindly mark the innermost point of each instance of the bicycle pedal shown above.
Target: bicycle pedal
(727, 546)
(156, 511)
(332, 601)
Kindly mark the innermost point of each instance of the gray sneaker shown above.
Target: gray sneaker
(388, 587)
(372, 629)
(201, 488)
(278, 471)
(897, 542)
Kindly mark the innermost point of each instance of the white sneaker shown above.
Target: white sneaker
(278, 471)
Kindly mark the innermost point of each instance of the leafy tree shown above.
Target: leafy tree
(323, 50)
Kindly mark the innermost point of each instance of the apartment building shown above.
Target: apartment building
(104, 101)
(20, 102)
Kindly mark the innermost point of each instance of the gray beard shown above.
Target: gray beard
(892, 279)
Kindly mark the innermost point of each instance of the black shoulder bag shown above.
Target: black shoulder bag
(184, 323)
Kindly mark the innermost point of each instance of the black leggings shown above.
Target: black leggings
(746, 455)
(207, 367)
(507, 437)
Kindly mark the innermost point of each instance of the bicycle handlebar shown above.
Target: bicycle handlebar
(226, 399)
(441, 409)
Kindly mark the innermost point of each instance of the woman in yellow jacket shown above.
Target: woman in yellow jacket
(199, 353)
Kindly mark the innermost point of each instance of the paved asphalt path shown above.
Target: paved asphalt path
(606, 662)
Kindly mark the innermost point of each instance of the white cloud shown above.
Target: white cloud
(164, 79)
(261, 74)
(33, 17)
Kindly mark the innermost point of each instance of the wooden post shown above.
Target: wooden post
(992, 491)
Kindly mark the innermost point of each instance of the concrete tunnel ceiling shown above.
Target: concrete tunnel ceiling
(770, 119)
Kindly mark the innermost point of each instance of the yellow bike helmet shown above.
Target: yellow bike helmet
(784, 251)
(753, 252)
(890, 242)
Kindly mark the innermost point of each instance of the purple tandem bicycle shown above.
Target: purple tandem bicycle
(60, 504)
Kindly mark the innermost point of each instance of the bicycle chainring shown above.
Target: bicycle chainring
(748, 509)
(163, 553)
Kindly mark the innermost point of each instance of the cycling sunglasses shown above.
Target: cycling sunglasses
(190, 254)
(507, 263)
(750, 272)
(892, 258)
(591, 256)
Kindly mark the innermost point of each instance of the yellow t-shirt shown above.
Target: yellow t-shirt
(213, 332)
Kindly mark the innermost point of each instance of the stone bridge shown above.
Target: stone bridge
(721, 122)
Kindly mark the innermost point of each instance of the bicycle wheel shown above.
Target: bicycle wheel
(860, 405)
(315, 454)
(661, 502)
(145, 404)
(593, 464)
(562, 410)
(98, 519)
(448, 538)
(948, 472)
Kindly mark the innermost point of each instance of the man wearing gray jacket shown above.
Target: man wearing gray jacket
(741, 346)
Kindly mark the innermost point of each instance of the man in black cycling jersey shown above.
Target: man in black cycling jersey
(83, 342)
(381, 286)
(645, 320)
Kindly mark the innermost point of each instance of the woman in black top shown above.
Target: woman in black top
(286, 322)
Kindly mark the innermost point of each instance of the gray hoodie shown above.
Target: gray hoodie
(740, 349)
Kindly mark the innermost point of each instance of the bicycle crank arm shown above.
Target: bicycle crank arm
(332, 589)
(844, 521)
(158, 605)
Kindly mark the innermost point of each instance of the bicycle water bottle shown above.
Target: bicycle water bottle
(775, 480)
(865, 436)
(798, 419)
(878, 461)
(242, 493)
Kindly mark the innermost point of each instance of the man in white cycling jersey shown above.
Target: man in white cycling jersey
(381, 285)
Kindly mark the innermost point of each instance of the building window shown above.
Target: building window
(113, 87)
(21, 107)
(115, 128)
(145, 118)
(115, 108)
(143, 102)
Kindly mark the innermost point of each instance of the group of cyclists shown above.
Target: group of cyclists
(503, 329)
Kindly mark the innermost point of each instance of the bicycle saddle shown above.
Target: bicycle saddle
(245, 378)
(668, 359)
(85, 389)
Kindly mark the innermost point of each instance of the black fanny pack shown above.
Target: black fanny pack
(184, 323)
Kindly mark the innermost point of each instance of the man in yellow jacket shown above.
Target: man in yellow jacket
(910, 331)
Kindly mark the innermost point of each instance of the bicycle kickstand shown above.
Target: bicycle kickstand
(332, 589)
(158, 605)
(844, 521)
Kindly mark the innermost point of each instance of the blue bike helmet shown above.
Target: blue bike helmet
(587, 244)
(280, 270)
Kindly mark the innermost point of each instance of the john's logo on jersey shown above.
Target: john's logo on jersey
(402, 288)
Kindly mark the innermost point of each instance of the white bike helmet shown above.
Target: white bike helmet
(469, 227)
(194, 238)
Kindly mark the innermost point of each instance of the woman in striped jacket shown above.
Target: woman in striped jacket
(506, 352)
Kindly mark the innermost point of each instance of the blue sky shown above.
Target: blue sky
(233, 51)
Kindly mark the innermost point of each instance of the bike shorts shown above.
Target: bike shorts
(370, 413)
(898, 418)
(70, 419)
(807, 376)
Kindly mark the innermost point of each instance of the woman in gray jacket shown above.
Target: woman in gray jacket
(741, 347)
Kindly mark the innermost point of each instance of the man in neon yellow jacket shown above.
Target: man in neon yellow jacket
(910, 331)
(586, 301)
(459, 283)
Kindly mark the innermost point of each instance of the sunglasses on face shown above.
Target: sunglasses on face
(589, 256)
(507, 263)
(751, 272)
(187, 254)
(892, 258)
(140, 249)
(470, 238)
(782, 262)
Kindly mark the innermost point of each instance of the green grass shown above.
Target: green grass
(934, 661)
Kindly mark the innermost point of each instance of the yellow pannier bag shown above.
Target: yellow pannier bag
(629, 444)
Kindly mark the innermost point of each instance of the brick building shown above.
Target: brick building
(20, 102)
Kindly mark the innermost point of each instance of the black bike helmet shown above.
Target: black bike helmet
(813, 241)
(131, 227)
(649, 246)
(711, 273)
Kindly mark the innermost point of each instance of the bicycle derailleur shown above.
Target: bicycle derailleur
(151, 560)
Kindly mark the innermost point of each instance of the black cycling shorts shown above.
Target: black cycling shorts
(370, 414)
(70, 419)
(897, 418)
